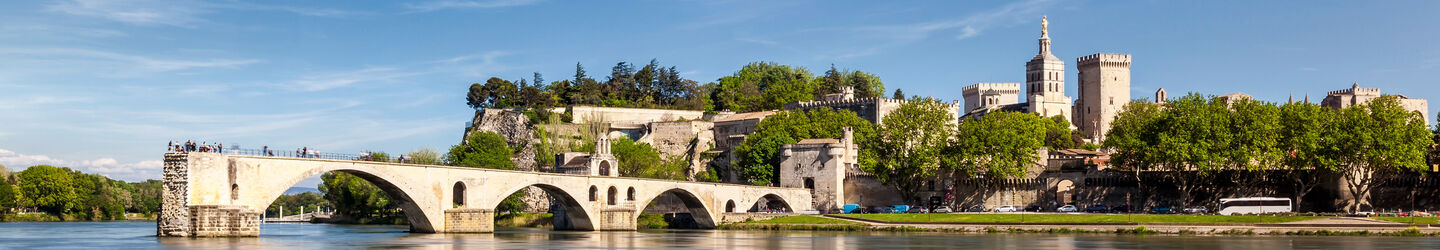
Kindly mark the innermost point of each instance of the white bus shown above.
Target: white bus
(1254, 205)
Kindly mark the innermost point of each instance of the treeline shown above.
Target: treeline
(1192, 138)
(915, 143)
(291, 203)
(66, 194)
(756, 86)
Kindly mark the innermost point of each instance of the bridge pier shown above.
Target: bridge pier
(469, 220)
(617, 219)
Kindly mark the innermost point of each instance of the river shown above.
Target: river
(140, 235)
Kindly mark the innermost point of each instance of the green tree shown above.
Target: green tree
(356, 198)
(898, 94)
(759, 155)
(1058, 134)
(1254, 130)
(763, 86)
(49, 189)
(636, 159)
(997, 145)
(424, 156)
(482, 150)
(911, 142)
(1307, 140)
(1380, 139)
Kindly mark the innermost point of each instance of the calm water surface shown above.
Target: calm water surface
(140, 235)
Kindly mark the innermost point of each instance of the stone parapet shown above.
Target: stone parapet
(617, 219)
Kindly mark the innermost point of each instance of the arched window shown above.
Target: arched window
(234, 191)
(730, 206)
(630, 195)
(611, 201)
(594, 193)
(459, 194)
(810, 183)
(604, 168)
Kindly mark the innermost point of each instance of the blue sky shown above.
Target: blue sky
(102, 85)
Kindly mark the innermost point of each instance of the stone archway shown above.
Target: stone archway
(771, 203)
(568, 212)
(698, 209)
(1065, 192)
(421, 220)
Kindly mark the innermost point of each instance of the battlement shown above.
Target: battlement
(1000, 87)
(847, 102)
(1356, 91)
(1104, 59)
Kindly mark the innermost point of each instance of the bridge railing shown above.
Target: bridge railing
(292, 154)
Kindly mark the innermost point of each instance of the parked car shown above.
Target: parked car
(942, 209)
(1163, 209)
(1007, 208)
(1097, 208)
(976, 208)
(882, 210)
(1196, 210)
(917, 210)
(1120, 209)
(1033, 208)
(1067, 209)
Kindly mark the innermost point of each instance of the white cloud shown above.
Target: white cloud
(179, 13)
(456, 4)
(31, 101)
(138, 12)
(968, 26)
(109, 167)
(342, 79)
(143, 62)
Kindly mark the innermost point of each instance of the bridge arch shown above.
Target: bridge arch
(267, 189)
(569, 213)
(699, 209)
(771, 202)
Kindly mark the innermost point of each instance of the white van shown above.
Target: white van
(1254, 205)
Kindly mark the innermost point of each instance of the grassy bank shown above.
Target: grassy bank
(805, 219)
(524, 220)
(1078, 218)
(1416, 220)
(43, 217)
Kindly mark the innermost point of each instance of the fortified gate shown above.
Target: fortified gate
(210, 194)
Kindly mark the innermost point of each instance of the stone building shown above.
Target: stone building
(1340, 99)
(731, 131)
(873, 109)
(986, 95)
(1045, 80)
(1104, 81)
(820, 165)
(601, 163)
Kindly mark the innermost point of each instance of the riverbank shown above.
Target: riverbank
(1093, 224)
(44, 217)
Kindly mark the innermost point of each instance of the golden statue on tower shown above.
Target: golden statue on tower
(1044, 26)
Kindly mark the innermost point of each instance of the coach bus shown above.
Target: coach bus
(1254, 205)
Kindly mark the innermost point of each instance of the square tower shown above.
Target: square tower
(1045, 80)
(1104, 91)
(990, 94)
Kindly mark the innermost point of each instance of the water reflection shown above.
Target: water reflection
(131, 235)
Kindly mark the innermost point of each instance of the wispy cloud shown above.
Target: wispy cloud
(30, 101)
(757, 41)
(342, 79)
(964, 27)
(138, 12)
(179, 13)
(144, 62)
(457, 4)
(882, 37)
(109, 167)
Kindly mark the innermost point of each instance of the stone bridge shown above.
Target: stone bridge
(209, 194)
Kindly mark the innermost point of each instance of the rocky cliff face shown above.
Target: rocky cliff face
(513, 125)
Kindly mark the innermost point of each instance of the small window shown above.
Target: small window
(234, 191)
(810, 183)
(594, 193)
(730, 206)
(459, 194)
(931, 184)
(613, 193)
(630, 194)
